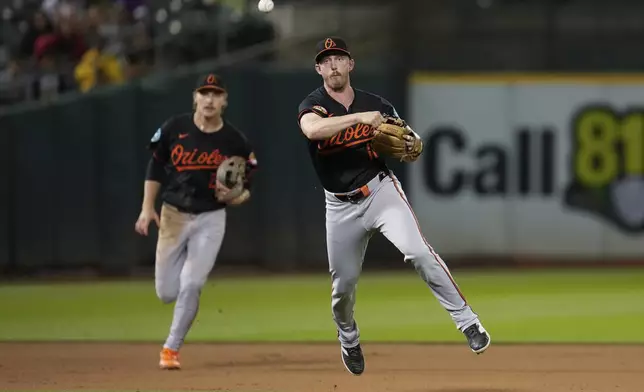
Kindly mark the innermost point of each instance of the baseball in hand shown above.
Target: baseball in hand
(265, 5)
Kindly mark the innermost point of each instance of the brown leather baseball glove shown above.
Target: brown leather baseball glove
(231, 175)
(395, 139)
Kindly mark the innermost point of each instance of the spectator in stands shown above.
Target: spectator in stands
(98, 68)
(48, 82)
(69, 41)
(39, 25)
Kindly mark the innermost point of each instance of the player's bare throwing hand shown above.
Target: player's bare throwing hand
(364, 196)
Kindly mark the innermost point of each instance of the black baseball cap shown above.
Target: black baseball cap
(210, 81)
(331, 45)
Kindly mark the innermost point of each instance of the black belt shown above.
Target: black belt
(360, 193)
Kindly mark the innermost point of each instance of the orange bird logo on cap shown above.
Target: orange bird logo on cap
(329, 43)
(211, 79)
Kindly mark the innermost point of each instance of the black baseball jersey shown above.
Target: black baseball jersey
(190, 159)
(345, 161)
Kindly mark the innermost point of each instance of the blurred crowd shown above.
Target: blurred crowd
(54, 46)
(50, 47)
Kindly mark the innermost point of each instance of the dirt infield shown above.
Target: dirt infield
(317, 368)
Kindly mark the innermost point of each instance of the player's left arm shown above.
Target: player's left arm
(413, 141)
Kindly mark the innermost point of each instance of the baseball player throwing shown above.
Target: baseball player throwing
(187, 152)
(364, 196)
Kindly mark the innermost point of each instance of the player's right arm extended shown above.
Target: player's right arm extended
(154, 177)
(319, 128)
(150, 192)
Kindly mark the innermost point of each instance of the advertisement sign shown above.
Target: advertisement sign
(528, 165)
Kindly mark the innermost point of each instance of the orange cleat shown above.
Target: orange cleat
(169, 359)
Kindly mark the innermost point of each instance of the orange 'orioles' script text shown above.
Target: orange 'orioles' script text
(349, 137)
(194, 159)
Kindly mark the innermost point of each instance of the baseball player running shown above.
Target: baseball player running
(363, 196)
(187, 151)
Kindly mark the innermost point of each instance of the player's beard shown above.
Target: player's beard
(337, 82)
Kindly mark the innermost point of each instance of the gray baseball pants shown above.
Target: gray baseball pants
(349, 227)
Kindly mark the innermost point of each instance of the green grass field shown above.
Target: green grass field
(603, 306)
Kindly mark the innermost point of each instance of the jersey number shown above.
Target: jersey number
(372, 154)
